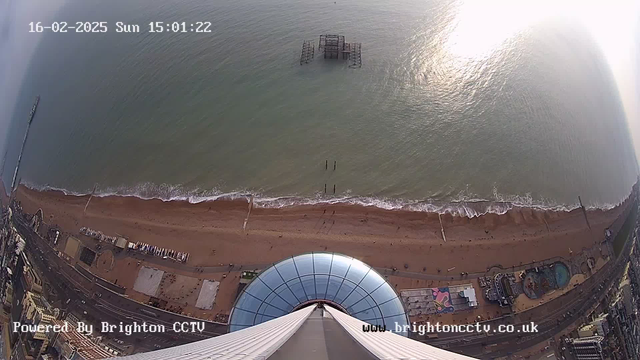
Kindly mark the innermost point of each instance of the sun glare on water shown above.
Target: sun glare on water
(482, 27)
(480, 30)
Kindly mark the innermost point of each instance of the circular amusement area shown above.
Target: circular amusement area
(105, 261)
(541, 280)
(342, 282)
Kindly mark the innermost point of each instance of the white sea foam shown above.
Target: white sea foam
(464, 204)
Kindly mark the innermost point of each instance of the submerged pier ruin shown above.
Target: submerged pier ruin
(308, 52)
(333, 47)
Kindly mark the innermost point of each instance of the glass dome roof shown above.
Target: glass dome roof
(347, 283)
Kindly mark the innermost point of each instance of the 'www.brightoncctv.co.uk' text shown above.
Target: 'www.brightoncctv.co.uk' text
(429, 328)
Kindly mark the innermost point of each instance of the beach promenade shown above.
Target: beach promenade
(409, 241)
(405, 247)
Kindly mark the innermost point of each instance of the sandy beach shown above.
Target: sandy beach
(212, 231)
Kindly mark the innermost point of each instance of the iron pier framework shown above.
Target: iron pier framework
(333, 47)
(308, 52)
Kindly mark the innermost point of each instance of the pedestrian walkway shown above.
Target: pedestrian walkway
(383, 271)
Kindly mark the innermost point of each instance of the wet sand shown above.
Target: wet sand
(212, 231)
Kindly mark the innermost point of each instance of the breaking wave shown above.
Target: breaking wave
(463, 204)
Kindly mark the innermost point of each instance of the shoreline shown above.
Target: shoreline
(212, 231)
(474, 207)
(406, 245)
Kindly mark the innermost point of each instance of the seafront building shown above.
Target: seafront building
(614, 334)
(598, 326)
(67, 345)
(36, 312)
(74, 345)
(588, 348)
(623, 317)
(327, 302)
(11, 247)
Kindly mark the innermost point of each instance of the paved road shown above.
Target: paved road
(552, 318)
(553, 323)
(102, 304)
(456, 275)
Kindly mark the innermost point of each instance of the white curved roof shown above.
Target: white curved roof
(337, 279)
(261, 341)
(256, 342)
(387, 345)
